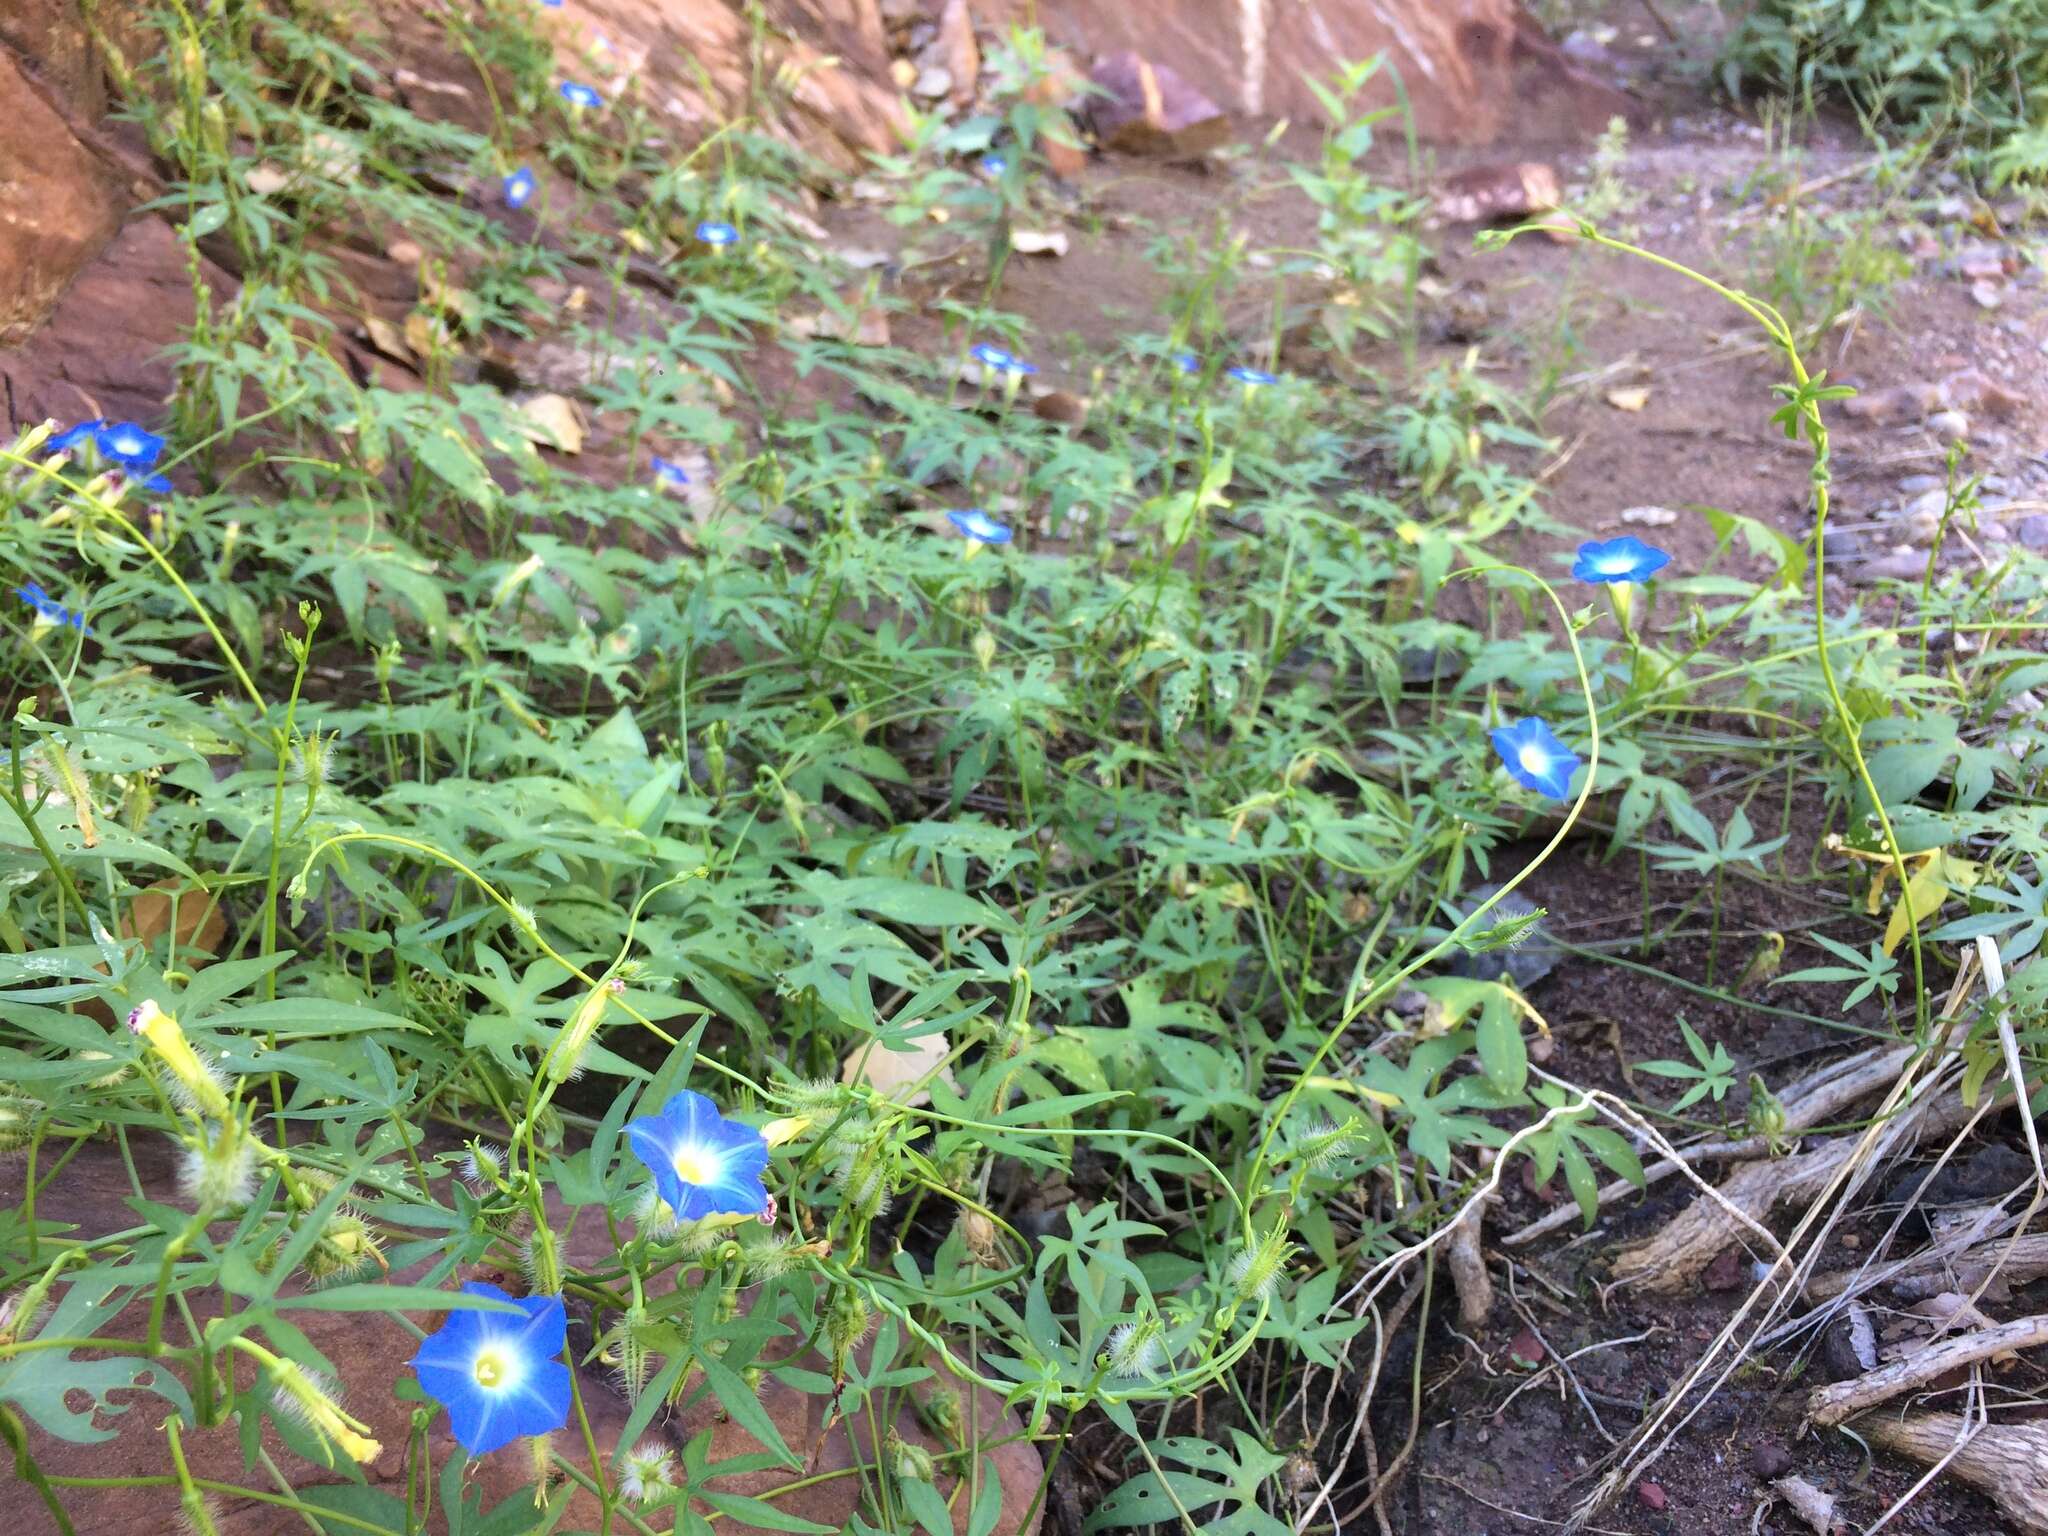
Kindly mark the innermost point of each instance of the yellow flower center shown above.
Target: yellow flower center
(490, 1369)
(696, 1165)
(1534, 759)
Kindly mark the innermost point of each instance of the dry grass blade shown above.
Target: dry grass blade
(1813, 1101)
(1678, 1253)
(1830, 1405)
(2007, 1462)
(1928, 1080)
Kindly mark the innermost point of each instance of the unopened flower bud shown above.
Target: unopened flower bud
(195, 1084)
(1254, 1270)
(978, 1235)
(907, 1460)
(217, 1169)
(17, 1122)
(301, 1395)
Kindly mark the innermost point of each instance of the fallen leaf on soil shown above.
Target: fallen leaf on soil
(1989, 295)
(1527, 1350)
(201, 924)
(1649, 517)
(387, 338)
(552, 420)
(864, 328)
(1652, 1495)
(898, 1074)
(1817, 1509)
(1634, 398)
(1039, 242)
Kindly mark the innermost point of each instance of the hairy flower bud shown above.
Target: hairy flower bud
(217, 1168)
(908, 1461)
(1253, 1270)
(847, 1320)
(17, 1122)
(300, 1394)
(1137, 1349)
(647, 1474)
(565, 1061)
(345, 1249)
(196, 1084)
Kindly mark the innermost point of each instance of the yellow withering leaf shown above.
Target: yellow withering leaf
(1932, 877)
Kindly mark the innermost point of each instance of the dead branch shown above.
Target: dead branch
(2007, 1462)
(1993, 1267)
(1810, 1102)
(1830, 1405)
(1468, 1267)
(1674, 1256)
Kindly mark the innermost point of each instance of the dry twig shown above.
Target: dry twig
(1830, 1405)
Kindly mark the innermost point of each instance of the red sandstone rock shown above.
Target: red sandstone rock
(1148, 108)
(58, 203)
(1475, 70)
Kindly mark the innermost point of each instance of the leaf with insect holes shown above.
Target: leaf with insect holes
(67, 1395)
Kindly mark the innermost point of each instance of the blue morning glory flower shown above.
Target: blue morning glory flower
(1627, 558)
(717, 232)
(122, 444)
(71, 437)
(128, 445)
(998, 359)
(703, 1164)
(497, 1374)
(980, 527)
(993, 165)
(578, 95)
(520, 187)
(1252, 378)
(1187, 362)
(47, 607)
(1535, 757)
(553, 5)
(668, 474)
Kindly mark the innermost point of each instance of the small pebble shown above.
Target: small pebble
(1768, 1459)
